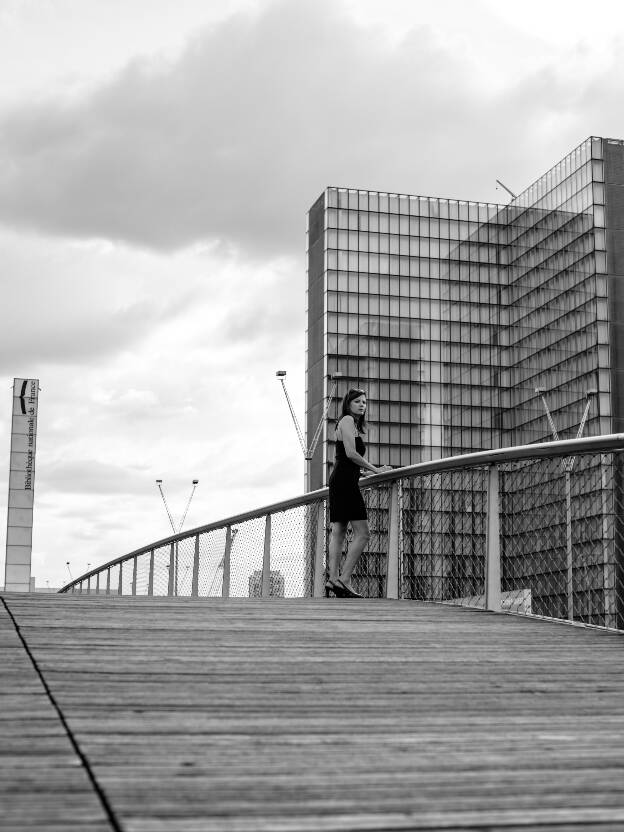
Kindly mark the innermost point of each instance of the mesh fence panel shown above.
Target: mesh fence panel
(113, 580)
(142, 577)
(246, 558)
(184, 555)
(127, 572)
(162, 556)
(561, 530)
(369, 577)
(292, 552)
(211, 554)
(443, 536)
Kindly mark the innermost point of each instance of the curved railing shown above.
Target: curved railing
(533, 529)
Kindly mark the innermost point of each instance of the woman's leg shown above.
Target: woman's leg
(336, 542)
(361, 536)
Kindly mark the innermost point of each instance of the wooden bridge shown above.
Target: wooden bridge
(186, 715)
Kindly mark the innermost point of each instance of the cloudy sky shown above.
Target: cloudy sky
(157, 160)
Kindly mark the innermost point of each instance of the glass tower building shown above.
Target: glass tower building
(451, 314)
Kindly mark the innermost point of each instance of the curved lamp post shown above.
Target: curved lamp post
(308, 452)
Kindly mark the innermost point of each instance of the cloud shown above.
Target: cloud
(232, 141)
(91, 476)
(69, 305)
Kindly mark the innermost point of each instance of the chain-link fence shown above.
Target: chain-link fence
(561, 541)
(526, 530)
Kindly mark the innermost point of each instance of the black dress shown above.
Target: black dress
(345, 500)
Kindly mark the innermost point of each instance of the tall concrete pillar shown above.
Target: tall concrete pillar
(21, 485)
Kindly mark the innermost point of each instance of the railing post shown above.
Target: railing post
(134, 575)
(319, 552)
(266, 560)
(171, 570)
(569, 570)
(150, 580)
(392, 564)
(120, 583)
(225, 585)
(176, 584)
(195, 581)
(492, 554)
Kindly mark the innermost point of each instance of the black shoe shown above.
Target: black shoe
(337, 588)
(347, 592)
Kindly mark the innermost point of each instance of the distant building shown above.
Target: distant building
(276, 585)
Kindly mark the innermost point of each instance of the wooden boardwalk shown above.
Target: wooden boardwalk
(238, 715)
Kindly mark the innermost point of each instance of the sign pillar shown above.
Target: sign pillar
(21, 485)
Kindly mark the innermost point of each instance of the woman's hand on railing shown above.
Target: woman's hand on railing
(381, 469)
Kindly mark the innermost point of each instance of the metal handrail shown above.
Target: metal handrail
(561, 448)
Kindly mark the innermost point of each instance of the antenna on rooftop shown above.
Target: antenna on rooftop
(509, 191)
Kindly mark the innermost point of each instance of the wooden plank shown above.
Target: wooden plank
(43, 785)
(328, 714)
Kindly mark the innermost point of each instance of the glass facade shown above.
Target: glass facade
(450, 314)
(555, 301)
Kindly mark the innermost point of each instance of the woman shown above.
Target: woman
(345, 500)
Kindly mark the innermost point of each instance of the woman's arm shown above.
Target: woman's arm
(347, 429)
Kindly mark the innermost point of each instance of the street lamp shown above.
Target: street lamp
(308, 452)
(568, 462)
(177, 530)
(568, 465)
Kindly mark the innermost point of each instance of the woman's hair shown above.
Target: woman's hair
(360, 421)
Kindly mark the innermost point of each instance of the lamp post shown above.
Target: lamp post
(568, 465)
(173, 526)
(308, 452)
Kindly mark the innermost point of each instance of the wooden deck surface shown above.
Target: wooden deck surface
(237, 715)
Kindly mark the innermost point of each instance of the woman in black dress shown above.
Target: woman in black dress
(345, 500)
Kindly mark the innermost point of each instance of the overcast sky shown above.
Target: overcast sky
(157, 161)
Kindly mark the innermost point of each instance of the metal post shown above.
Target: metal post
(319, 552)
(89, 585)
(195, 580)
(608, 510)
(392, 565)
(97, 584)
(492, 554)
(175, 571)
(134, 575)
(120, 583)
(170, 583)
(569, 571)
(108, 581)
(225, 586)
(150, 580)
(266, 560)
